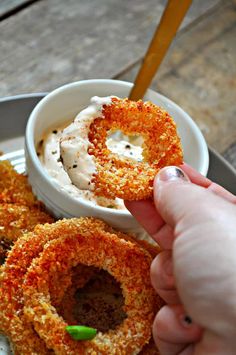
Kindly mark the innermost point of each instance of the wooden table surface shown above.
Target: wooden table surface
(46, 43)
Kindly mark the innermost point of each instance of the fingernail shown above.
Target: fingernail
(186, 321)
(172, 173)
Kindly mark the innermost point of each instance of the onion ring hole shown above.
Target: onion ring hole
(98, 304)
(125, 146)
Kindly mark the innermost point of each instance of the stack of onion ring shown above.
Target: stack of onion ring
(124, 177)
(14, 187)
(15, 220)
(20, 211)
(34, 265)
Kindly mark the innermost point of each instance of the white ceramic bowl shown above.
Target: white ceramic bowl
(63, 104)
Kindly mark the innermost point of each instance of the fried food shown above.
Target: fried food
(20, 211)
(102, 250)
(14, 187)
(12, 320)
(90, 233)
(16, 220)
(98, 304)
(124, 177)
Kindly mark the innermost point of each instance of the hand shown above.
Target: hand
(195, 274)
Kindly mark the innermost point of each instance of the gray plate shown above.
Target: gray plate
(14, 113)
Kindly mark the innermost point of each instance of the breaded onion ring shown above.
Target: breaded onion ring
(125, 261)
(124, 177)
(12, 320)
(13, 324)
(14, 187)
(72, 300)
(16, 220)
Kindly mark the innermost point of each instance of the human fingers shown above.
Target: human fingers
(174, 332)
(146, 214)
(195, 176)
(176, 199)
(162, 277)
(220, 191)
(164, 237)
(145, 211)
(201, 180)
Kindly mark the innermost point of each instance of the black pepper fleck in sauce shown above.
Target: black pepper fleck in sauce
(54, 152)
(75, 166)
(54, 131)
(40, 147)
(127, 146)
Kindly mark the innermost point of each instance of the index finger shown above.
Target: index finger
(146, 214)
(201, 180)
(195, 176)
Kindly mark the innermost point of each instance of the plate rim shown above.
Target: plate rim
(22, 96)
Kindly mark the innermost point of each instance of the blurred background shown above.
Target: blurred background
(46, 43)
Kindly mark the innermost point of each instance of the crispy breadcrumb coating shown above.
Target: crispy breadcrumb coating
(14, 187)
(97, 303)
(89, 232)
(16, 220)
(124, 177)
(126, 261)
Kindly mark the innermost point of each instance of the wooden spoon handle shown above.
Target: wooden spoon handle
(165, 32)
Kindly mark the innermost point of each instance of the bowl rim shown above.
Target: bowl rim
(31, 150)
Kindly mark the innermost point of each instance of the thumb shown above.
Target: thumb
(175, 196)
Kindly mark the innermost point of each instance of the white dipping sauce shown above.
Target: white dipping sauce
(71, 143)
(74, 144)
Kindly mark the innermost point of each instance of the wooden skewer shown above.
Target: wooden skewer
(165, 32)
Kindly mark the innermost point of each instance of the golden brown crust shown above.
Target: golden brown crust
(27, 248)
(125, 178)
(14, 187)
(16, 220)
(20, 211)
(102, 250)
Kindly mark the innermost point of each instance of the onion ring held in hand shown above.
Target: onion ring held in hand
(126, 261)
(12, 319)
(124, 177)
